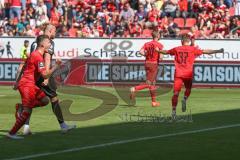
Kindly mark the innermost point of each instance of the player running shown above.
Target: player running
(185, 56)
(151, 68)
(48, 86)
(31, 94)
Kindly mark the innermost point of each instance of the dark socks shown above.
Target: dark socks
(57, 111)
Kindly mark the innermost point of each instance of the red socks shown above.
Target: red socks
(141, 87)
(174, 101)
(187, 93)
(152, 90)
(18, 110)
(19, 122)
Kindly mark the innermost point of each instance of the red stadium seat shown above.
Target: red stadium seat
(179, 22)
(232, 11)
(190, 22)
(184, 31)
(72, 32)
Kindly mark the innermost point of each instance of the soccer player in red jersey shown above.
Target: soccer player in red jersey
(47, 85)
(185, 56)
(31, 95)
(151, 67)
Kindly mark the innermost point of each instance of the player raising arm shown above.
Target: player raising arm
(31, 94)
(185, 56)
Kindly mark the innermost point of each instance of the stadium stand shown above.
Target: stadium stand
(121, 18)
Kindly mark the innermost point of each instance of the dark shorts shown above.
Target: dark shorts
(50, 90)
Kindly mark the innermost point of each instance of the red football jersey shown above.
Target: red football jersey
(184, 60)
(150, 51)
(33, 70)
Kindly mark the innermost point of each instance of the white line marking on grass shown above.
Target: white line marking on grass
(2, 95)
(124, 142)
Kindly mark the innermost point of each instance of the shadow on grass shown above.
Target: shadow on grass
(93, 135)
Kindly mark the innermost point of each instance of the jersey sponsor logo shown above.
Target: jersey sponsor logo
(41, 65)
(50, 51)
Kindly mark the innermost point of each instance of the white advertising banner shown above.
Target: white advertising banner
(66, 48)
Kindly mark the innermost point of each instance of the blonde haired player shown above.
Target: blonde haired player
(152, 59)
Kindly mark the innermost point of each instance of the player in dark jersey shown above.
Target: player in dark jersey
(185, 56)
(9, 48)
(151, 67)
(31, 94)
(48, 86)
(1, 50)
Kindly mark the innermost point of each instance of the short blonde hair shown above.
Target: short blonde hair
(155, 34)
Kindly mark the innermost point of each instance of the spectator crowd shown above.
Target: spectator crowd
(122, 18)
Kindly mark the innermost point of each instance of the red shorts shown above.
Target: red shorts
(179, 81)
(30, 94)
(151, 71)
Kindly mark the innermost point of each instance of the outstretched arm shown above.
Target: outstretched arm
(213, 51)
(162, 51)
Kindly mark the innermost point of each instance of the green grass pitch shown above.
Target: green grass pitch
(209, 108)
